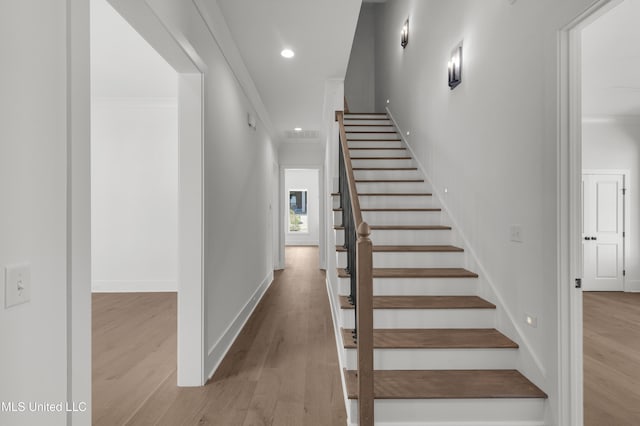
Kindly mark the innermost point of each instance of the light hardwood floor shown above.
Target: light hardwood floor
(282, 370)
(611, 359)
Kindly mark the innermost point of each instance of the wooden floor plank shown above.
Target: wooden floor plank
(611, 358)
(282, 369)
(434, 338)
(447, 384)
(404, 227)
(424, 302)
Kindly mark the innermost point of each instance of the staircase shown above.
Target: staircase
(438, 358)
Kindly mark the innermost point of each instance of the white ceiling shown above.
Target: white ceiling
(611, 62)
(123, 64)
(320, 33)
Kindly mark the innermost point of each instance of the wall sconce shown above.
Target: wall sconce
(455, 67)
(404, 35)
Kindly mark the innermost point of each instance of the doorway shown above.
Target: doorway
(302, 213)
(134, 217)
(599, 138)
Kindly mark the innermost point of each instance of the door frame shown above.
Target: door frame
(322, 240)
(569, 222)
(625, 216)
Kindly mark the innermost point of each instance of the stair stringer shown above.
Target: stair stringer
(528, 360)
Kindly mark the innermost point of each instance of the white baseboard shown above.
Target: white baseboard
(219, 349)
(301, 243)
(104, 286)
(632, 286)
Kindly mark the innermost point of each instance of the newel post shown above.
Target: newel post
(364, 265)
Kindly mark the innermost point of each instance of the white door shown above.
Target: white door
(603, 231)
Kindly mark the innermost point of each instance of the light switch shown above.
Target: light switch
(17, 288)
(516, 233)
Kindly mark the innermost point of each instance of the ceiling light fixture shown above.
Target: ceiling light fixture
(298, 129)
(287, 53)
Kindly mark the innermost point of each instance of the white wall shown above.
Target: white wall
(238, 162)
(134, 178)
(36, 143)
(300, 179)
(492, 142)
(359, 82)
(613, 143)
(134, 159)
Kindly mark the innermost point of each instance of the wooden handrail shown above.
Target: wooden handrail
(353, 192)
(364, 289)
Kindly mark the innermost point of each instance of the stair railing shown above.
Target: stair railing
(360, 269)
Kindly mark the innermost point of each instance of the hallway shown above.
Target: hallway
(282, 369)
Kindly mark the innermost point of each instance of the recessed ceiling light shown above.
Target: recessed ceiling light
(287, 53)
(298, 129)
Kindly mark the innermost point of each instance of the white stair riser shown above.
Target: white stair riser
(418, 286)
(387, 174)
(348, 122)
(426, 318)
(399, 238)
(411, 260)
(395, 218)
(411, 237)
(378, 152)
(350, 116)
(376, 202)
(438, 359)
(385, 201)
(374, 128)
(455, 412)
(402, 217)
(374, 144)
(358, 136)
(384, 187)
(383, 163)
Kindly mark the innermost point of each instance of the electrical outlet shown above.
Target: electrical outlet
(531, 320)
(17, 288)
(516, 233)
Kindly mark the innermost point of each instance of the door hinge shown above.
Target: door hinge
(624, 273)
(624, 191)
(624, 234)
(578, 282)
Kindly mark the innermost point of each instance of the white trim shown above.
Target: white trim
(522, 340)
(569, 202)
(218, 351)
(284, 221)
(106, 286)
(190, 354)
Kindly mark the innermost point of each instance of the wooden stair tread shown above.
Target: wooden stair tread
(391, 209)
(380, 158)
(365, 113)
(374, 140)
(434, 338)
(412, 249)
(416, 273)
(404, 227)
(370, 131)
(377, 149)
(389, 194)
(446, 384)
(385, 168)
(369, 125)
(389, 180)
(424, 302)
